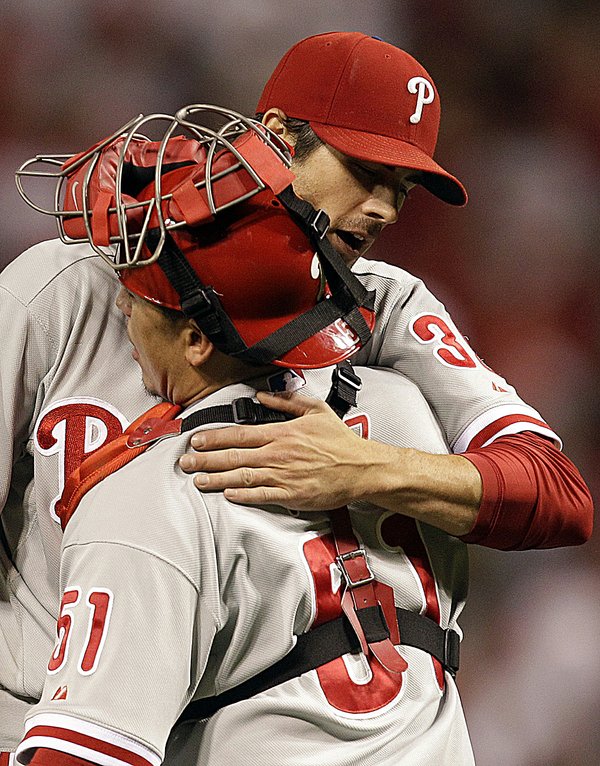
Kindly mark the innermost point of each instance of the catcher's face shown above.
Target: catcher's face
(361, 198)
(158, 346)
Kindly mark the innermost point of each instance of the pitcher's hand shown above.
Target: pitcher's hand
(314, 462)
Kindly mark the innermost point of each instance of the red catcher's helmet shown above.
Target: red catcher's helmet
(218, 234)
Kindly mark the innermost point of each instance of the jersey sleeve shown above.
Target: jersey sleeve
(416, 336)
(123, 665)
(533, 496)
(45, 757)
(27, 353)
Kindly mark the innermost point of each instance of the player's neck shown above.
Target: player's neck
(222, 372)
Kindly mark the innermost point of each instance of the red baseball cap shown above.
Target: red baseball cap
(367, 99)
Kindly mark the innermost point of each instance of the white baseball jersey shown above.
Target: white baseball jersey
(68, 384)
(170, 595)
(415, 335)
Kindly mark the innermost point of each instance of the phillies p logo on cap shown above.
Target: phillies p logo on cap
(425, 94)
(366, 98)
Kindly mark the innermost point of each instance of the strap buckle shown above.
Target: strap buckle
(319, 221)
(348, 376)
(246, 411)
(358, 578)
(345, 385)
(451, 651)
(153, 430)
(197, 304)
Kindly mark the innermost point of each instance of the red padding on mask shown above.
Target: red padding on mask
(101, 218)
(268, 166)
(192, 204)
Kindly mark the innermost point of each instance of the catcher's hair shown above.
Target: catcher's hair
(306, 138)
(173, 315)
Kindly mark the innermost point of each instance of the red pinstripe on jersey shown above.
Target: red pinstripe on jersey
(361, 424)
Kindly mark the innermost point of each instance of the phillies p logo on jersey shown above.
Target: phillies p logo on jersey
(74, 429)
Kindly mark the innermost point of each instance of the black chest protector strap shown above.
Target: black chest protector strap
(333, 639)
(201, 302)
(242, 411)
(345, 385)
(325, 643)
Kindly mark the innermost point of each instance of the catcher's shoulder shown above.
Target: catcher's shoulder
(50, 263)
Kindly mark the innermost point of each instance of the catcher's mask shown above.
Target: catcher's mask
(207, 223)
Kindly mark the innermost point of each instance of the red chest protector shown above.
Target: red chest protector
(108, 459)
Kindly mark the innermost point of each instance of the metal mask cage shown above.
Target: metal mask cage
(125, 248)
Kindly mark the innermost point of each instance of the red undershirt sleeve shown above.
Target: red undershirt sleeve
(533, 496)
(45, 757)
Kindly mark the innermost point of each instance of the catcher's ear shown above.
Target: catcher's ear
(198, 347)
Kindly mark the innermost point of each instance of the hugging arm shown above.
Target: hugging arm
(519, 492)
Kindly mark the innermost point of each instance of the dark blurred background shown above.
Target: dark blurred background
(517, 268)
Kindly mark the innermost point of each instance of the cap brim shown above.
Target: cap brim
(391, 151)
(331, 345)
